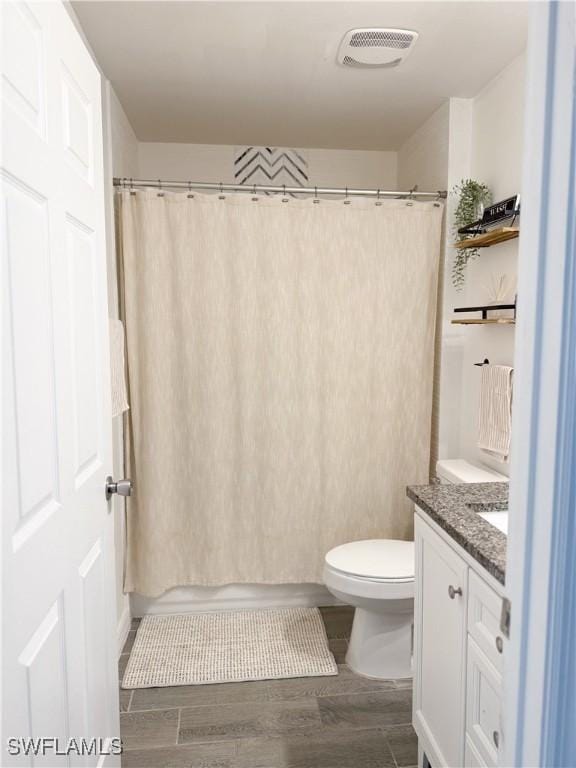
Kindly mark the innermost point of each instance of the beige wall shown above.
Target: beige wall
(121, 150)
(423, 158)
(215, 163)
(479, 138)
(496, 159)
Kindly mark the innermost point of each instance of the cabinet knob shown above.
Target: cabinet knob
(499, 644)
(496, 738)
(453, 592)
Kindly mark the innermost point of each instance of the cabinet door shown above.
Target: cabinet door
(439, 649)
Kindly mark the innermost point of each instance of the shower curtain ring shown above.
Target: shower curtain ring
(190, 195)
(346, 201)
(316, 195)
(132, 190)
(160, 190)
(284, 199)
(378, 201)
(222, 196)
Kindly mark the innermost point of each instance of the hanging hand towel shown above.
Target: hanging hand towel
(495, 413)
(119, 393)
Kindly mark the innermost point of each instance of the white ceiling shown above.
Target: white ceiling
(265, 73)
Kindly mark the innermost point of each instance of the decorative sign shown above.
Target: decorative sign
(270, 165)
(505, 209)
(494, 214)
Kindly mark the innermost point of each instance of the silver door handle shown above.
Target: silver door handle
(453, 592)
(121, 487)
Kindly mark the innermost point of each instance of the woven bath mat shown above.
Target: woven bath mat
(227, 647)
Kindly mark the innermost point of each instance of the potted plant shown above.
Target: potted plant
(472, 198)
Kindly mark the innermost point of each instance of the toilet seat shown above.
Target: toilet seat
(378, 560)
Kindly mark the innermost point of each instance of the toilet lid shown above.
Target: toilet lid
(378, 559)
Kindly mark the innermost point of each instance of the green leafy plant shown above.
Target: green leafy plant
(472, 197)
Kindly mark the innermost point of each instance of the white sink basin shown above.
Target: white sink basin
(498, 518)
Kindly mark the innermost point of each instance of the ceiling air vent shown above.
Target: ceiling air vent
(375, 47)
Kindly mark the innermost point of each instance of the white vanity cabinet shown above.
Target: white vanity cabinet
(457, 653)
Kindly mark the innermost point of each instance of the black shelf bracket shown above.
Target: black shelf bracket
(486, 308)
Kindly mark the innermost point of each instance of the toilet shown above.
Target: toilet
(376, 576)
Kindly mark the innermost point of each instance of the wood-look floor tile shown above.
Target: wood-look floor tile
(122, 661)
(198, 695)
(129, 641)
(247, 720)
(317, 749)
(404, 745)
(338, 646)
(125, 697)
(221, 754)
(142, 730)
(367, 710)
(338, 620)
(345, 682)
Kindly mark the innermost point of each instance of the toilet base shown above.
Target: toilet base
(381, 643)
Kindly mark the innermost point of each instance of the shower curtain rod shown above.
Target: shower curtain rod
(283, 189)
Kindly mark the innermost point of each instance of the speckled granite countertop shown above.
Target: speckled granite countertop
(455, 508)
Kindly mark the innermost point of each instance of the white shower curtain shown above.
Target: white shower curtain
(280, 362)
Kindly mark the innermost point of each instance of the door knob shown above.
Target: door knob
(453, 592)
(121, 487)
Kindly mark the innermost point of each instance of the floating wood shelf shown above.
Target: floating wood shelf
(484, 319)
(489, 238)
(488, 321)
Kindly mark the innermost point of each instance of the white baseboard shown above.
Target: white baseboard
(232, 597)
(123, 626)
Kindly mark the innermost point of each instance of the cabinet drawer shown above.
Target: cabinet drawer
(484, 606)
(483, 694)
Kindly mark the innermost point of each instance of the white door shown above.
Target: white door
(58, 636)
(539, 715)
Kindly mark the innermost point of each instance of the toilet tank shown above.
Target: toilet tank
(461, 471)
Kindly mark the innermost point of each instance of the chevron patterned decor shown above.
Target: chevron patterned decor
(270, 165)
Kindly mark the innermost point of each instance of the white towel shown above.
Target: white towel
(495, 412)
(117, 374)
